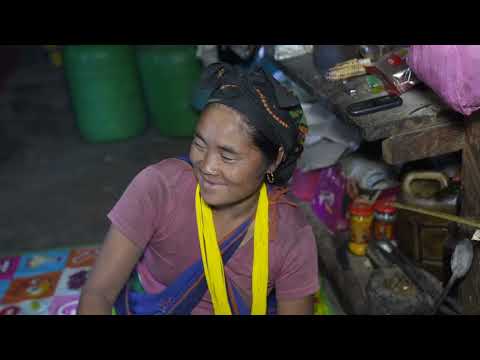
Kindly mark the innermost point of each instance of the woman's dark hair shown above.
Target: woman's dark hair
(266, 147)
(270, 152)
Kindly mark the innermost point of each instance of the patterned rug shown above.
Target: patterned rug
(50, 282)
(44, 283)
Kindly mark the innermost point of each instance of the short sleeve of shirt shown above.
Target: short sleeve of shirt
(298, 275)
(144, 201)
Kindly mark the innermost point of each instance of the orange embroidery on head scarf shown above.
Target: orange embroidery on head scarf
(263, 98)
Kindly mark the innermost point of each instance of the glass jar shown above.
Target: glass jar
(361, 219)
(384, 223)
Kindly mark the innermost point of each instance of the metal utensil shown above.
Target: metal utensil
(460, 264)
(426, 286)
(395, 256)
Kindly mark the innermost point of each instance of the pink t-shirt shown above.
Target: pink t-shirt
(157, 213)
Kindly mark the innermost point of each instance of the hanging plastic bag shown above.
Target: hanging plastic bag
(329, 201)
(304, 184)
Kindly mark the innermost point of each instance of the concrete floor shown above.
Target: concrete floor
(56, 189)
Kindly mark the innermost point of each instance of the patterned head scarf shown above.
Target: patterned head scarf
(269, 106)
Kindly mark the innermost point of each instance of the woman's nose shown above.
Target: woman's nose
(209, 164)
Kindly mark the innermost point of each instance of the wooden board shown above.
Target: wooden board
(437, 140)
(421, 109)
(469, 289)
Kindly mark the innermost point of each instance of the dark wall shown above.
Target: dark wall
(9, 59)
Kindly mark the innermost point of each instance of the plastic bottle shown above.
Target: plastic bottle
(361, 219)
(384, 224)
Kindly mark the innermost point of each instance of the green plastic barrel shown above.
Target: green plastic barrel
(169, 75)
(106, 91)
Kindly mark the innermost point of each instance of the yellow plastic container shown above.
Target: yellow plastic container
(361, 220)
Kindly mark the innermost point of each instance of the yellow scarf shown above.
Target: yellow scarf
(213, 264)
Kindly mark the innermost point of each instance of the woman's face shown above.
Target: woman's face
(226, 163)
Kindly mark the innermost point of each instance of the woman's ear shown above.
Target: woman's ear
(278, 161)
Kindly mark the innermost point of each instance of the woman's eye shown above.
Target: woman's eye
(226, 158)
(197, 144)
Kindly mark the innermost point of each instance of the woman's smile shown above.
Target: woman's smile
(209, 184)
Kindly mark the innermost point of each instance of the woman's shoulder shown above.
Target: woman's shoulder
(294, 239)
(169, 172)
(287, 209)
(289, 216)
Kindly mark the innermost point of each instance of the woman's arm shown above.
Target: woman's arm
(298, 279)
(303, 306)
(112, 270)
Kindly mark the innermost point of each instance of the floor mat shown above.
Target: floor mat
(44, 283)
(50, 282)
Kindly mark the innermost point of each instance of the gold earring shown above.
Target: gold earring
(270, 178)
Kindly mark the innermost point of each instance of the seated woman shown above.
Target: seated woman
(207, 235)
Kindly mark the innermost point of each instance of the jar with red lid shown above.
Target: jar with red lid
(361, 219)
(385, 216)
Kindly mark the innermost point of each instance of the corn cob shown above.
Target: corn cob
(363, 62)
(347, 69)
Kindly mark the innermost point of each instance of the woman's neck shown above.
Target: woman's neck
(238, 211)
